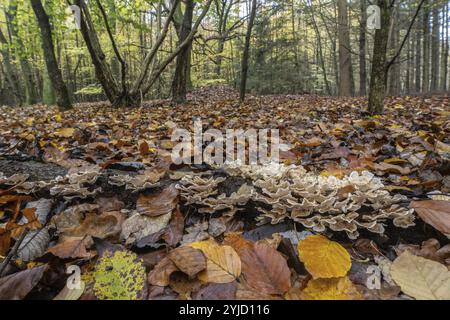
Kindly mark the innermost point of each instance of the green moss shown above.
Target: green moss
(119, 276)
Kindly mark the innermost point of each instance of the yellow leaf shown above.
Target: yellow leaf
(324, 258)
(223, 264)
(421, 278)
(65, 132)
(58, 117)
(29, 122)
(331, 289)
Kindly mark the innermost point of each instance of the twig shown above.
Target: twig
(13, 252)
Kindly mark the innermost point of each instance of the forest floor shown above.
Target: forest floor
(95, 188)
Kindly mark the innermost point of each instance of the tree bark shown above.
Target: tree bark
(32, 96)
(246, 54)
(378, 75)
(54, 73)
(179, 83)
(10, 72)
(426, 48)
(362, 49)
(346, 86)
(435, 50)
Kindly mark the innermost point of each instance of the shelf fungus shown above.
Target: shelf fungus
(356, 201)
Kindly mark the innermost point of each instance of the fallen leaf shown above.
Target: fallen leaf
(331, 289)
(263, 267)
(160, 275)
(434, 212)
(217, 291)
(16, 286)
(421, 278)
(158, 204)
(223, 263)
(189, 260)
(324, 258)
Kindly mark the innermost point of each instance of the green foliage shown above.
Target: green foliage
(119, 276)
(90, 90)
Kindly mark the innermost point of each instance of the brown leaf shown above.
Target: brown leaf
(174, 232)
(263, 267)
(16, 286)
(217, 291)
(72, 249)
(107, 224)
(189, 260)
(160, 275)
(434, 212)
(158, 204)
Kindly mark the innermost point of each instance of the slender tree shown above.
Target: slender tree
(54, 73)
(346, 86)
(246, 54)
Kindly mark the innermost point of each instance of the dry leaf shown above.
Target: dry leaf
(435, 213)
(421, 278)
(263, 267)
(158, 204)
(223, 263)
(160, 275)
(324, 258)
(331, 289)
(189, 260)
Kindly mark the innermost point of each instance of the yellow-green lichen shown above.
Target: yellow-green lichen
(119, 276)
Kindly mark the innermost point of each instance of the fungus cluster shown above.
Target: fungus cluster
(357, 201)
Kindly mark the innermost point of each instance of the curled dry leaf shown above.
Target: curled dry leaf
(331, 289)
(324, 258)
(160, 275)
(421, 278)
(434, 212)
(223, 263)
(189, 260)
(158, 204)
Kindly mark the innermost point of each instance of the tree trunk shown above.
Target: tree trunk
(418, 81)
(362, 50)
(435, 50)
(346, 87)
(61, 92)
(394, 39)
(426, 49)
(444, 55)
(378, 76)
(179, 83)
(10, 73)
(32, 96)
(246, 54)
